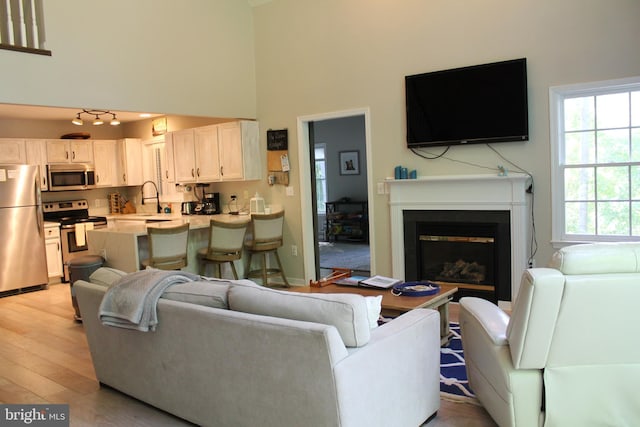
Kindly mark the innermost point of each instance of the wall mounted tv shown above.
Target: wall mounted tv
(470, 105)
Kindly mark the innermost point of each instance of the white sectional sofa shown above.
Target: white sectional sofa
(237, 354)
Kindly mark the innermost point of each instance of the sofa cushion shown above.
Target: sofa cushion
(347, 312)
(106, 276)
(204, 292)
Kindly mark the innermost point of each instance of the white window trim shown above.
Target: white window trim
(556, 125)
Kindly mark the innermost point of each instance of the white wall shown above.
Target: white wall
(314, 57)
(191, 57)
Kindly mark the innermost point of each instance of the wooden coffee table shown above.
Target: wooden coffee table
(393, 305)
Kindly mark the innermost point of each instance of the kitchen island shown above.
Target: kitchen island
(124, 243)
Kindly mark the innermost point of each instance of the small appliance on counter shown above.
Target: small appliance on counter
(210, 204)
(189, 208)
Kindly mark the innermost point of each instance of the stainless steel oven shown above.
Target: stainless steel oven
(74, 220)
(71, 176)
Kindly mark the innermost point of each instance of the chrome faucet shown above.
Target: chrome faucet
(159, 209)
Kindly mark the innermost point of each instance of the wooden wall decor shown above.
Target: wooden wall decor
(278, 156)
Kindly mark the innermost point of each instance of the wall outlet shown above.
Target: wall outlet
(289, 190)
(532, 263)
(103, 254)
(294, 250)
(381, 188)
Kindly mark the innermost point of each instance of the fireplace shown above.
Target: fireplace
(444, 207)
(467, 248)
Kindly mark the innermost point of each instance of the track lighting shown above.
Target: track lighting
(97, 120)
(77, 121)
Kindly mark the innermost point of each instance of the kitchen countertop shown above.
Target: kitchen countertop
(136, 224)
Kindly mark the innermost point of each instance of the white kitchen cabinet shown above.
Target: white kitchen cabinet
(37, 155)
(70, 151)
(13, 151)
(207, 154)
(53, 251)
(184, 155)
(196, 156)
(129, 153)
(240, 157)
(224, 152)
(106, 161)
(167, 161)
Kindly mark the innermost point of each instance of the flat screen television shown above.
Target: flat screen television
(469, 105)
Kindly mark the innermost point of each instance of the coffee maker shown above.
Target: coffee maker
(210, 204)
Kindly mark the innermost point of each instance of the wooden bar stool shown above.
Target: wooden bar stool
(225, 245)
(265, 239)
(167, 247)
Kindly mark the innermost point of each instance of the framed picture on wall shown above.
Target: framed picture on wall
(349, 163)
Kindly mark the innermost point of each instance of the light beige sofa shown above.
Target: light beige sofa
(262, 360)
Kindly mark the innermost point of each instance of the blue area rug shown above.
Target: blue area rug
(453, 376)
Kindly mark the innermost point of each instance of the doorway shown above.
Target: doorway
(337, 218)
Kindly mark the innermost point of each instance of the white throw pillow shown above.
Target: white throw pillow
(347, 312)
(374, 307)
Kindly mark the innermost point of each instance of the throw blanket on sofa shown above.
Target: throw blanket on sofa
(131, 301)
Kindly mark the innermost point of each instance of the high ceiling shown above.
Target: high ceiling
(12, 111)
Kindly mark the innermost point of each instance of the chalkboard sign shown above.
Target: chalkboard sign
(277, 140)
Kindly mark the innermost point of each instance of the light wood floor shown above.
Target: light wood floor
(44, 358)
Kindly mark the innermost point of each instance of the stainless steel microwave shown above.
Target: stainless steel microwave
(71, 176)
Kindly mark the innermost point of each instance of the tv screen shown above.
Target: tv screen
(470, 105)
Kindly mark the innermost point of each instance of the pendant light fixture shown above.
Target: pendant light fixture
(97, 121)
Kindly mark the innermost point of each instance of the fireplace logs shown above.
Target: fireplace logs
(462, 271)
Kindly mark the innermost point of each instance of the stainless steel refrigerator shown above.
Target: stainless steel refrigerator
(23, 261)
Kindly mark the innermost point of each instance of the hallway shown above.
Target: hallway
(345, 255)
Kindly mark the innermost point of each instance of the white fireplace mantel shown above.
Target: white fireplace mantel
(463, 192)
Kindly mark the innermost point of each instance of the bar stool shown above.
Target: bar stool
(225, 245)
(167, 247)
(266, 238)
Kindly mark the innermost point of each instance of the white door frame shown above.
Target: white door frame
(308, 243)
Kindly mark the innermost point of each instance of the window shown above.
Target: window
(595, 146)
(321, 177)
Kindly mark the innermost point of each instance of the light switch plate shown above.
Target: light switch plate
(289, 190)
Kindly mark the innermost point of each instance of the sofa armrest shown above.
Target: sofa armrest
(489, 317)
(397, 372)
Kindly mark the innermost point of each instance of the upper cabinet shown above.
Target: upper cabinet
(13, 151)
(195, 153)
(229, 151)
(37, 155)
(240, 157)
(106, 162)
(129, 153)
(69, 151)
